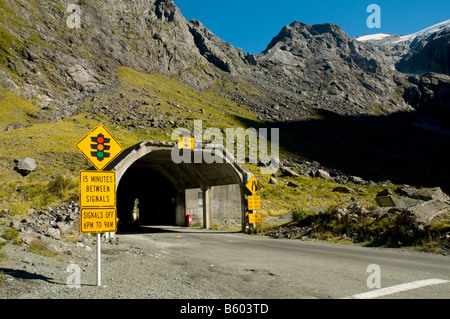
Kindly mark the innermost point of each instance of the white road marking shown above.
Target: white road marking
(398, 288)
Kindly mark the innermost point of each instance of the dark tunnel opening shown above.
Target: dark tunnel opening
(145, 197)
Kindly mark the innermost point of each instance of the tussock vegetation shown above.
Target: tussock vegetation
(10, 234)
(392, 229)
(40, 247)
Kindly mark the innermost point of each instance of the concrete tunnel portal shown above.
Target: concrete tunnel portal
(153, 190)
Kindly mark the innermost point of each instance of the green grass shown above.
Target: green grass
(219, 112)
(311, 193)
(10, 234)
(40, 247)
(15, 110)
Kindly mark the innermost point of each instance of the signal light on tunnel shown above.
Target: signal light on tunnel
(100, 147)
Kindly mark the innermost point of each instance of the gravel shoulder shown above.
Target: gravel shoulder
(128, 272)
(131, 269)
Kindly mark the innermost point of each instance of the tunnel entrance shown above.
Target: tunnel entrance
(145, 197)
(154, 190)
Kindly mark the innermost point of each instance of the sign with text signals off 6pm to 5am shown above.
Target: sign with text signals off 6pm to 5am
(99, 147)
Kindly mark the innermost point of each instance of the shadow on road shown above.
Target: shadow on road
(22, 274)
(133, 229)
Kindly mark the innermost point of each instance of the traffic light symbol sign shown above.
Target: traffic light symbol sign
(100, 147)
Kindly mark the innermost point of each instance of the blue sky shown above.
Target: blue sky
(251, 24)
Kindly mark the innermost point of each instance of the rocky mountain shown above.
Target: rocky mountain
(417, 53)
(427, 53)
(42, 57)
(328, 69)
(303, 68)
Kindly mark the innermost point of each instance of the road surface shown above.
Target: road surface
(258, 267)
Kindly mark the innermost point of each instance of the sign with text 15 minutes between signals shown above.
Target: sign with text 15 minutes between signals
(97, 189)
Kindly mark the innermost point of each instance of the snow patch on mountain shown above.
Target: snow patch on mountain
(410, 37)
(434, 28)
(371, 37)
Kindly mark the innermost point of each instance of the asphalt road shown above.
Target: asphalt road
(260, 267)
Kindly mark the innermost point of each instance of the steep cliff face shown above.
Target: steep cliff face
(331, 70)
(304, 68)
(43, 56)
(424, 51)
(428, 53)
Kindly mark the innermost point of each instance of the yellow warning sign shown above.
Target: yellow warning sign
(99, 147)
(254, 202)
(97, 189)
(186, 143)
(254, 218)
(98, 220)
(254, 185)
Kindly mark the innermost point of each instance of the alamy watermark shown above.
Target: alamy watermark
(234, 142)
(74, 279)
(374, 279)
(74, 19)
(374, 20)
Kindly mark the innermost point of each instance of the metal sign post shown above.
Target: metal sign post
(99, 260)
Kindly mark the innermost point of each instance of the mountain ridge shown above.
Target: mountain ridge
(160, 40)
(143, 69)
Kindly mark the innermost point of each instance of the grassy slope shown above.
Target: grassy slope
(53, 144)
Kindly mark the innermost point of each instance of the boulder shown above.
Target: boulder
(25, 166)
(339, 212)
(385, 192)
(357, 180)
(291, 184)
(385, 199)
(406, 191)
(14, 224)
(424, 213)
(405, 202)
(427, 194)
(27, 240)
(53, 233)
(424, 194)
(289, 171)
(320, 173)
(63, 228)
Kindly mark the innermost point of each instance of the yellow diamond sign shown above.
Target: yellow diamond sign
(99, 147)
(254, 185)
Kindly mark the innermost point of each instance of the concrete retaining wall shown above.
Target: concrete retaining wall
(226, 208)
